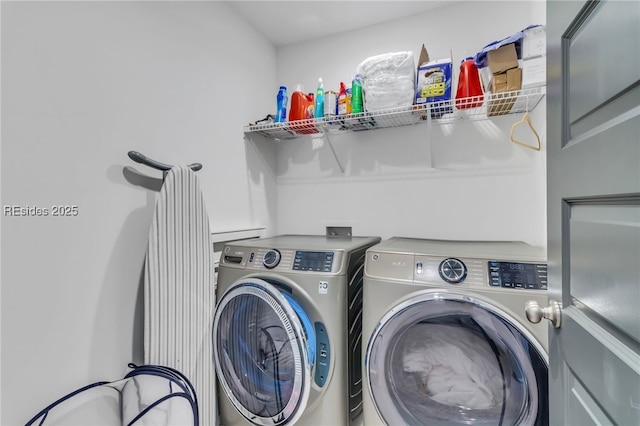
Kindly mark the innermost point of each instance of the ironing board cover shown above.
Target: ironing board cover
(179, 286)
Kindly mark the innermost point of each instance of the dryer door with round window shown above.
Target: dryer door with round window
(443, 358)
(264, 350)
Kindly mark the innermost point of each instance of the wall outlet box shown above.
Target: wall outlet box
(339, 231)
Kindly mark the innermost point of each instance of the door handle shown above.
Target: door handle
(535, 312)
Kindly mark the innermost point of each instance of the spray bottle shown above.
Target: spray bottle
(342, 99)
(319, 111)
(357, 103)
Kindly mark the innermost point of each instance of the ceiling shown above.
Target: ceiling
(289, 22)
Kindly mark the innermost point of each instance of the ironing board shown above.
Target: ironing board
(179, 287)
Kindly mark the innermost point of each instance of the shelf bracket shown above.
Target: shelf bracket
(325, 135)
(429, 131)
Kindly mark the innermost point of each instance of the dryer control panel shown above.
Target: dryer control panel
(490, 265)
(532, 276)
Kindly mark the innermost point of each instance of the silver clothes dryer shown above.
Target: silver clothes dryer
(287, 330)
(447, 339)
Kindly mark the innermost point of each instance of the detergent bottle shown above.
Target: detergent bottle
(282, 100)
(302, 107)
(469, 93)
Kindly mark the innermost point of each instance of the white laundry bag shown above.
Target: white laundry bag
(388, 80)
(147, 395)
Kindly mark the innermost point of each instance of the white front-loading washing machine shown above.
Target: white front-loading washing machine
(446, 336)
(287, 332)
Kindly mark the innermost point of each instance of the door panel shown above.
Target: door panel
(597, 71)
(605, 366)
(604, 247)
(593, 190)
(578, 412)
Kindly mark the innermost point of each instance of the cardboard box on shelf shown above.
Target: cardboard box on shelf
(514, 79)
(504, 76)
(500, 104)
(502, 58)
(507, 81)
(499, 83)
(503, 86)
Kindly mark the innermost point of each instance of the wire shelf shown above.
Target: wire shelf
(473, 108)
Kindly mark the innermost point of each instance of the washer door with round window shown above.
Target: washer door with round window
(443, 358)
(264, 350)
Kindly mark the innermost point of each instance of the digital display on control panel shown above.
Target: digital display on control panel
(531, 276)
(321, 261)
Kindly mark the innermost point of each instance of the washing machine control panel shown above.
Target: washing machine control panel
(319, 261)
(283, 260)
(531, 276)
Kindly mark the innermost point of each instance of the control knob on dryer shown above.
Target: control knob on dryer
(452, 270)
(271, 258)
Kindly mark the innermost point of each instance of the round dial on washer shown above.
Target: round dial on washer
(271, 258)
(452, 270)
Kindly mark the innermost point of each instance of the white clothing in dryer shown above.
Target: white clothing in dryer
(454, 365)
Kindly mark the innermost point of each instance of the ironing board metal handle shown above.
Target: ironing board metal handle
(139, 158)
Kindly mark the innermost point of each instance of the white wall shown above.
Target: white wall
(461, 181)
(82, 84)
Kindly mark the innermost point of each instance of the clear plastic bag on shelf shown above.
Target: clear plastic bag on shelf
(388, 80)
